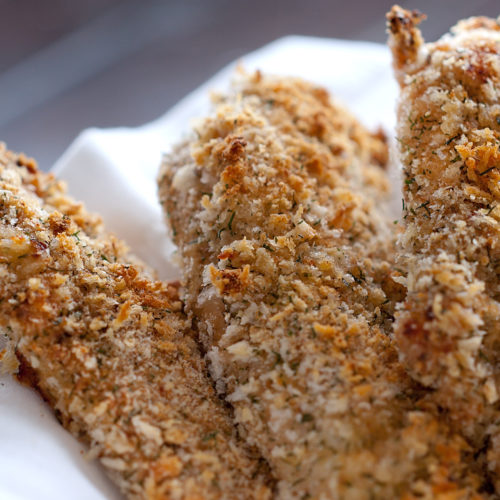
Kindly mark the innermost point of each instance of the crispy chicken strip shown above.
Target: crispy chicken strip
(449, 134)
(111, 350)
(276, 208)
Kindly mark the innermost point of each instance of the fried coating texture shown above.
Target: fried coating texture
(111, 350)
(448, 330)
(275, 204)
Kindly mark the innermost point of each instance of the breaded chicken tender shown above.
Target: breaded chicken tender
(276, 206)
(448, 330)
(111, 350)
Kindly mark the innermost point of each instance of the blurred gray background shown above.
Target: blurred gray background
(68, 65)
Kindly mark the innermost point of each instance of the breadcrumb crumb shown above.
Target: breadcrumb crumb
(111, 350)
(448, 329)
(276, 205)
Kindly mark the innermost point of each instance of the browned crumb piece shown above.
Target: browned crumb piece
(276, 208)
(109, 350)
(449, 135)
(53, 193)
(405, 38)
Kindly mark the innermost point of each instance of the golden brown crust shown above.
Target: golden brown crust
(449, 134)
(405, 38)
(111, 350)
(276, 208)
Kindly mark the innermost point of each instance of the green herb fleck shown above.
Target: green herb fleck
(487, 170)
(278, 360)
(230, 223)
(209, 436)
(425, 207)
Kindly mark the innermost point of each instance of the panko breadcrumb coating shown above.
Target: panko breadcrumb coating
(448, 330)
(111, 350)
(275, 204)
